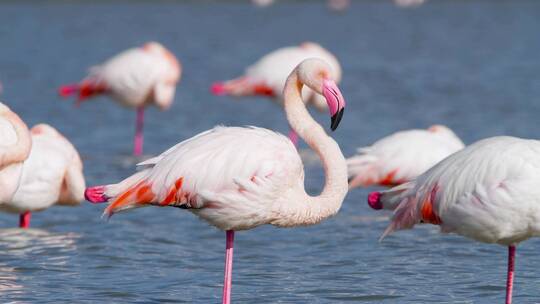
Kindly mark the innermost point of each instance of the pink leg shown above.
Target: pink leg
(293, 137)
(510, 277)
(227, 282)
(138, 145)
(24, 219)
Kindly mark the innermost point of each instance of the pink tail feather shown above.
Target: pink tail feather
(68, 90)
(410, 207)
(85, 89)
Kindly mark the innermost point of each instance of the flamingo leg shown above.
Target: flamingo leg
(510, 277)
(227, 282)
(24, 219)
(139, 139)
(293, 137)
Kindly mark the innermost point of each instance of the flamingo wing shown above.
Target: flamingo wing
(225, 167)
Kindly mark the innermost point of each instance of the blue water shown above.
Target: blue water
(472, 65)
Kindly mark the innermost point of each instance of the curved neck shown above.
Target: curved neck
(19, 151)
(313, 209)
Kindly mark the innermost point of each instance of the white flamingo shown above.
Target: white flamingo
(239, 178)
(52, 174)
(487, 191)
(135, 78)
(409, 3)
(267, 76)
(402, 156)
(336, 5)
(15, 145)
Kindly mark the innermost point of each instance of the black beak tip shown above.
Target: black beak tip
(336, 119)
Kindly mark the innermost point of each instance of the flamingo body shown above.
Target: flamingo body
(402, 156)
(267, 76)
(231, 188)
(136, 77)
(487, 192)
(52, 174)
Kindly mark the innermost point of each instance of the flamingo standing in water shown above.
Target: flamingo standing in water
(52, 174)
(15, 145)
(267, 76)
(239, 178)
(135, 78)
(402, 156)
(487, 191)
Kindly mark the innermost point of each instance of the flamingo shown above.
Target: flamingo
(15, 145)
(52, 174)
(402, 156)
(409, 3)
(336, 5)
(135, 78)
(267, 76)
(239, 178)
(486, 192)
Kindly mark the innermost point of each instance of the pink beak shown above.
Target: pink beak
(335, 100)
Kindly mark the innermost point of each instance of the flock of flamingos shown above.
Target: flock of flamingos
(237, 178)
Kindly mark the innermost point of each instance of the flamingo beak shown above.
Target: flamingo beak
(336, 102)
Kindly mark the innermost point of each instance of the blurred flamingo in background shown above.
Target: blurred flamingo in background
(267, 76)
(15, 145)
(337, 5)
(52, 174)
(239, 178)
(402, 156)
(135, 78)
(262, 3)
(408, 3)
(488, 192)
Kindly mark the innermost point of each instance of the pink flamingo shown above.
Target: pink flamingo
(52, 174)
(486, 192)
(402, 156)
(267, 76)
(15, 145)
(135, 78)
(239, 178)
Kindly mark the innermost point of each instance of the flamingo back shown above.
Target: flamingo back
(402, 156)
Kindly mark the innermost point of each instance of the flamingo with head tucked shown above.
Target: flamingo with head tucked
(135, 78)
(15, 145)
(488, 192)
(239, 178)
(52, 174)
(267, 76)
(402, 156)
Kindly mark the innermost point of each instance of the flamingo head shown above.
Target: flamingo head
(319, 76)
